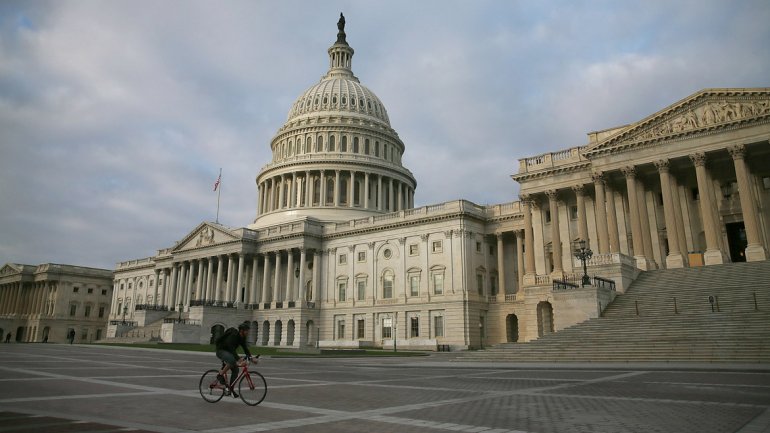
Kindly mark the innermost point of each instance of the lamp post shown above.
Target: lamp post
(395, 332)
(583, 254)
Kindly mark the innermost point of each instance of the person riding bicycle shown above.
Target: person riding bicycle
(227, 345)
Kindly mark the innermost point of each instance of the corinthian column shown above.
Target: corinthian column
(600, 211)
(755, 251)
(529, 242)
(636, 223)
(674, 258)
(581, 210)
(713, 254)
(501, 263)
(558, 269)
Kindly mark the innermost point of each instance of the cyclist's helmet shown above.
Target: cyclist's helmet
(244, 325)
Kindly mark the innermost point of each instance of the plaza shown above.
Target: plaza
(57, 388)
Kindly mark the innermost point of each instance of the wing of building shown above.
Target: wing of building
(339, 257)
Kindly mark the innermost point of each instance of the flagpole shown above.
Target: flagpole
(219, 192)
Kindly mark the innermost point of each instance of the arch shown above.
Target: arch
(344, 143)
(216, 332)
(310, 330)
(254, 332)
(290, 333)
(544, 318)
(388, 283)
(319, 144)
(512, 328)
(277, 333)
(265, 332)
(19, 334)
(332, 143)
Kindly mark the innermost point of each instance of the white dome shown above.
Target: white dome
(338, 95)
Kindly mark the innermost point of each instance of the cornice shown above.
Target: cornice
(579, 166)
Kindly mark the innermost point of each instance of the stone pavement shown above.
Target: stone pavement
(82, 388)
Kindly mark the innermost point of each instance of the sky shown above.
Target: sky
(116, 116)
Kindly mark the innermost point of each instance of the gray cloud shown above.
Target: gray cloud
(115, 117)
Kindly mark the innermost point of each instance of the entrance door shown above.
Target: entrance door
(513, 328)
(736, 239)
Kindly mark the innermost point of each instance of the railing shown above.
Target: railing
(604, 283)
(542, 280)
(510, 298)
(492, 299)
(564, 285)
(606, 259)
(210, 303)
(575, 282)
(122, 322)
(195, 322)
(151, 307)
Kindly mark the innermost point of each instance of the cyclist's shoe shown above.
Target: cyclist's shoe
(227, 391)
(235, 394)
(221, 379)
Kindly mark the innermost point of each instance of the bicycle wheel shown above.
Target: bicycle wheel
(253, 388)
(210, 388)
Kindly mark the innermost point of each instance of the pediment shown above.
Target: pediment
(705, 111)
(204, 235)
(10, 269)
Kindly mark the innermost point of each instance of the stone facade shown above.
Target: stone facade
(339, 257)
(46, 302)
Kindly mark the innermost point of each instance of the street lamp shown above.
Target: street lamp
(395, 332)
(583, 254)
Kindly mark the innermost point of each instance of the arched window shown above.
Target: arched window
(344, 144)
(355, 145)
(319, 144)
(331, 143)
(308, 145)
(366, 146)
(387, 284)
(300, 149)
(377, 148)
(330, 190)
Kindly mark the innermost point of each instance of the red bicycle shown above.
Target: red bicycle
(252, 387)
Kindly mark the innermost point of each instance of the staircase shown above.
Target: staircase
(665, 316)
(142, 334)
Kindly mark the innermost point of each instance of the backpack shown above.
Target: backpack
(221, 339)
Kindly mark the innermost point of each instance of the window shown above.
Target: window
(90, 291)
(360, 328)
(436, 247)
(387, 253)
(342, 287)
(361, 290)
(478, 247)
(73, 309)
(340, 329)
(438, 284)
(414, 285)
(343, 259)
(387, 327)
(493, 285)
(75, 289)
(414, 250)
(414, 327)
(101, 312)
(480, 284)
(387, 285)
(104, 291)
(491, 250)
(121, 286)
(88, 311)
(573, 213)
(547, 216)
(362, 256)
(438, 326)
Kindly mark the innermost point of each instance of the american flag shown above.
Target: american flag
(216, 184)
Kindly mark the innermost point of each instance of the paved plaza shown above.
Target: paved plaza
(82, 388)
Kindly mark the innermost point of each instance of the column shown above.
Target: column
(713, 254)
(199, 287)
(322, 194)
(500, 264)
(290, 276)
(220, 275)
(379, 192)
(210, 281)
(612, 221)
(682, 238)
(188, 273)
(351, 188)
(302, 266)
(645, 222)
(390, 195)
(230, 277)
(400, 197)
(558, 269)
(315, 284)
(239, 281)
(674, 257)
(636, 224)
(271, 206)
(600, 210)
(254, 270)
(157, 287)
(529, 245)
(308, 190)
(336, 188)
(293, 195)
(266, 279)
(277, 281)
(366, 190)
(164, 288)
(755, 250)
(173, 288)
(581, 210)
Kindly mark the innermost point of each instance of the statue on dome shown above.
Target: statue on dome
(341, 32)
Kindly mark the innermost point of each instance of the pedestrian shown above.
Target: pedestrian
(8, 337)
(45, 339)
(71, 335)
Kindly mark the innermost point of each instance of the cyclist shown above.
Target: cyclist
(227, 345)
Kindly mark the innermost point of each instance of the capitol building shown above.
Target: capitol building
(339, 257)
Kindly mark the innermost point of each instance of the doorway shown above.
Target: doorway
(736, 239)
(512, 327)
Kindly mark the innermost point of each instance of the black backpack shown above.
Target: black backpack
(221, 339)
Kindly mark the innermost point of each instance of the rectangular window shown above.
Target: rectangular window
(436, 246)
(104, 291)
(414, 285)
(387, 287)
(573, 212)
(75, 289)
(491, 250)
(362, 256)
(413, 250)
(438, 326)
(438, 284)
(340, 329)
(361, 295)
(493, 285)
(360, 328)
(101, 312)
(343, 259)
(73, 309)
(478, 247)
(90, 291)
(387, 324)
(480, 283)
(342, 289)
(88, 311)
(414, 327)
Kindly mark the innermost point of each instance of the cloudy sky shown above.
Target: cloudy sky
(116, 116)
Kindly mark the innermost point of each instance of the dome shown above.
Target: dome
(339, 95)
